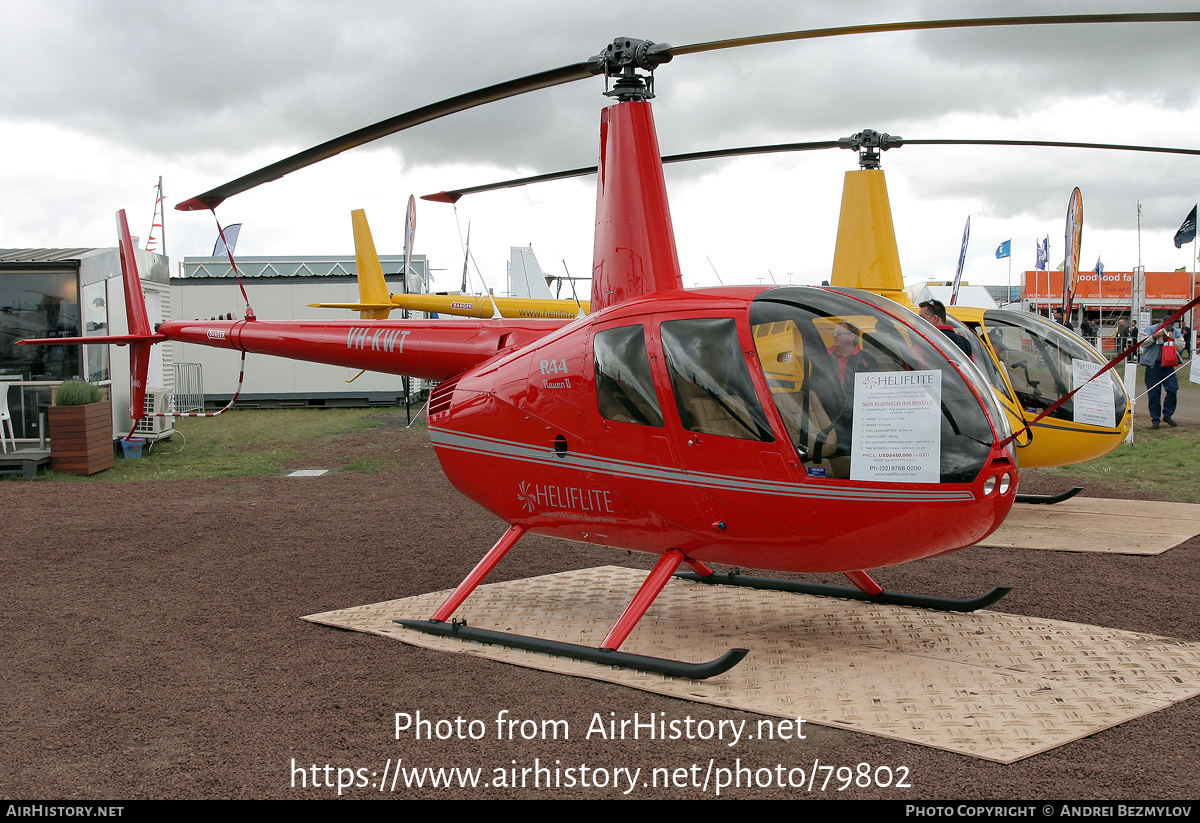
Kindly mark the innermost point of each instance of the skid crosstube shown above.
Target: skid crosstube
(945, 604)
(1049, 498)
(645, 663)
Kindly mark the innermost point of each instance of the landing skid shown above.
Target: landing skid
(609, 657)
(607, 653)
(945, 604)
(1049, 498)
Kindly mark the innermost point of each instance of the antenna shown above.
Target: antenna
(156, 222)
(714, 268)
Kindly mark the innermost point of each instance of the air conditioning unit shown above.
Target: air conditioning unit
(153, 428)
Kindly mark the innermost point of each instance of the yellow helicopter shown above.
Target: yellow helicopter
(1029, 360)
(375, 301)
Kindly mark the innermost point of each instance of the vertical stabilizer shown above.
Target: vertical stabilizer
(525, 276)
(139, 322)
(866, 256)
(635, 245)
(371, 286)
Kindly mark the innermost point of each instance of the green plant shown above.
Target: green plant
(76, 393)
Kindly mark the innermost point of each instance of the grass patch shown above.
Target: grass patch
(371, 465)
(240, 443)
(1166, 461)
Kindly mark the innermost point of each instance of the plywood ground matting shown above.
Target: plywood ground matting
(1086, 524)
(990, 685)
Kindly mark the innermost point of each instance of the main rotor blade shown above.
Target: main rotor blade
(1052, 144)
(928, 25)
(578, 71)
(555, 77)
(454, 195)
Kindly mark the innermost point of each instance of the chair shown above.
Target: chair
(5, 419)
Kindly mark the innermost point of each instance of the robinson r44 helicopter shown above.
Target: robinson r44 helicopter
(793, 429)
(1028, 360)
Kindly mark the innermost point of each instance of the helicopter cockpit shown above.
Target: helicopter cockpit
(1041, 358)
(865, 397)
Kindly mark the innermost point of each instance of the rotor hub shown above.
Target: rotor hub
(622, 59)
(868, 143)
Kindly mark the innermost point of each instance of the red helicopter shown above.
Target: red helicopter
(795, 429)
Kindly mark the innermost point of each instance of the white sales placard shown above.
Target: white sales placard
(897, 427)
(1094, 403)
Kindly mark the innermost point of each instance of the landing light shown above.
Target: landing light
(1004, 481)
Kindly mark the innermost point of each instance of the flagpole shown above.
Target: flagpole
(1192, 325)
(1037, 278)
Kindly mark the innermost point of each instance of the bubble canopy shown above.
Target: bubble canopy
(810, 341)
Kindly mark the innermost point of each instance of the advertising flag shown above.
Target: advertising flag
(1074, 236)
(226, 239)
(1004, 249)
(1043, 254)
(962, 256)
(410, 231)
(1187, 232)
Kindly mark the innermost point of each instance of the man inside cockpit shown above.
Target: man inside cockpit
(851, 359)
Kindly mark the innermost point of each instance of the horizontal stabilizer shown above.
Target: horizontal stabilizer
(114, 339)
(354, 306)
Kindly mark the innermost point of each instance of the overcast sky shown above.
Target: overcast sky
(103, 97)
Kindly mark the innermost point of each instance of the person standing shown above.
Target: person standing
(1160, 374)
(1060, 320)
(1086, 331)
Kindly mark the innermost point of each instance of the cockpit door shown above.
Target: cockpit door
(742, 475)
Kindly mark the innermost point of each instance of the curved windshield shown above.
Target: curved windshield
(1044, 361)
(862, 395)
(952, 352)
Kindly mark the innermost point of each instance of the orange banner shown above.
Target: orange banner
(1114, 286)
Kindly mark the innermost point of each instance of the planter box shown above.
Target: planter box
(81, 438)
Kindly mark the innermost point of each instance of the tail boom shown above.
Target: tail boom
(431, 350)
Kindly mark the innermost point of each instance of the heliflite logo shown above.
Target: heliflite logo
(534, 496)
(873, 380)
(526, 497)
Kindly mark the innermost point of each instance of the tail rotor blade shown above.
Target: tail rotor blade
(139, 322)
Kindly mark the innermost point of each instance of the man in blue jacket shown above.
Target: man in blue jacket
(1160, 377)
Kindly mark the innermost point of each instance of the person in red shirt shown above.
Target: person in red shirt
(851, 359)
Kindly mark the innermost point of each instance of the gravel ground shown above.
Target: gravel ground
(152, 648)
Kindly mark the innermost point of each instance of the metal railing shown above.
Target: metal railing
(189, 388)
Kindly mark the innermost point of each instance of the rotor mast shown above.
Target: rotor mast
(866, 255)
(635, 253)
